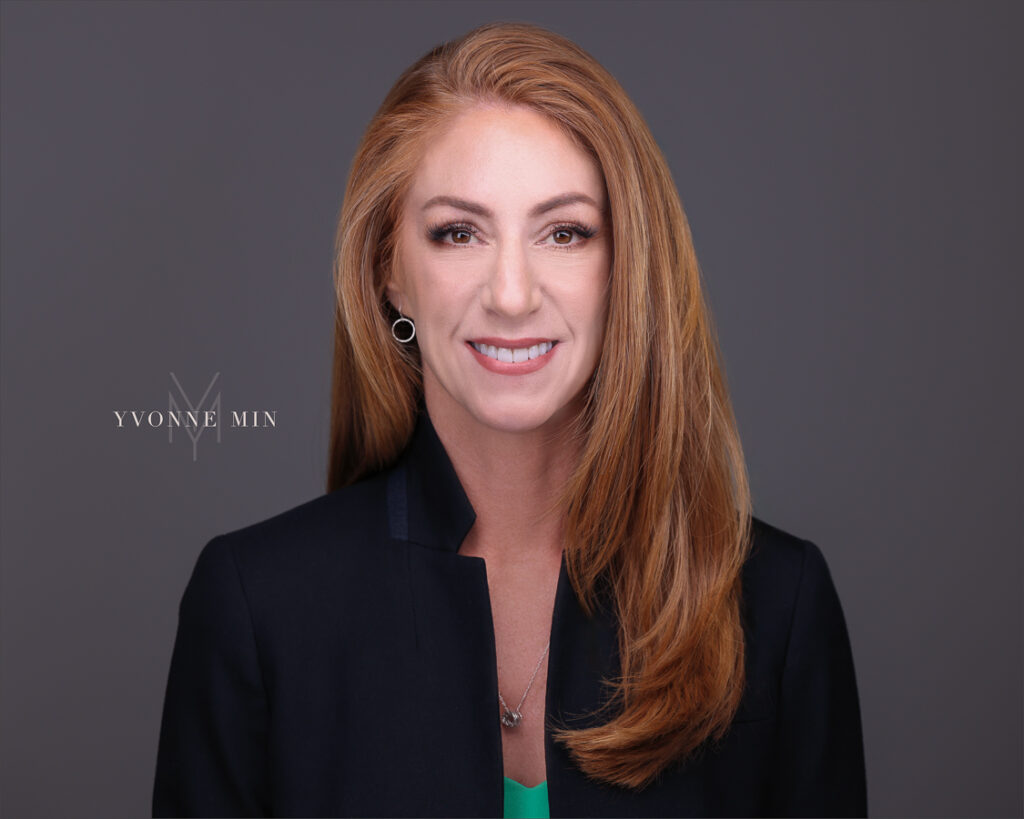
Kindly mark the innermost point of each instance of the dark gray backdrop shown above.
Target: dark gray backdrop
(171, 178)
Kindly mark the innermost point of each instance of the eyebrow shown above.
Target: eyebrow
(549, 204)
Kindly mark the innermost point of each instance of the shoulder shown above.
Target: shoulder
(330, 534)
(789, 598)
(779, 564)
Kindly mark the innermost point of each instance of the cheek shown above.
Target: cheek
(443, 298)
(589, 300)
(422, 283)
(443, 287)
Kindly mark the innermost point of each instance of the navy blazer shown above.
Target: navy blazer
(338, 659)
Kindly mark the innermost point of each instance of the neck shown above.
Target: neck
(510, 479)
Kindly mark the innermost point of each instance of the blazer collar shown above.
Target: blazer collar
(426, 501)
(428, 506)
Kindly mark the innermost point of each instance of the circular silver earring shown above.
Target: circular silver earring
(410, 330)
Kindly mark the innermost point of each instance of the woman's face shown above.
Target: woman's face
(502, 259)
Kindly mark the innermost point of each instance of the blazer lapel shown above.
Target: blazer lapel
(584, 651)
(454, 637)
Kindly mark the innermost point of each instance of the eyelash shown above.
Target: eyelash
(437, 233)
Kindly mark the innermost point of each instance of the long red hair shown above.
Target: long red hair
(658, 511)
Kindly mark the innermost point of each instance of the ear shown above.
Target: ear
(395, 294)
(393, 274)
(394, 287)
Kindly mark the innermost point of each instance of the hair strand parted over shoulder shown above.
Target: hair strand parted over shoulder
(658, 511)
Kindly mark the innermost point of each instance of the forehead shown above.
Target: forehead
(505, 156)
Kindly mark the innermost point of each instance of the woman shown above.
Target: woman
(534, 584)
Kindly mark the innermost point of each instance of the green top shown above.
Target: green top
(522, 802)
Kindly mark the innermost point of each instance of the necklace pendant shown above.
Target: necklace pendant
(510, 718)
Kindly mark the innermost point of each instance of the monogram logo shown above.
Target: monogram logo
(193, 417)
(193, 429)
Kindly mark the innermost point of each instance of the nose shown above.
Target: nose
(511, 288)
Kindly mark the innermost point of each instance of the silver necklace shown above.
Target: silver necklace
(510, 718)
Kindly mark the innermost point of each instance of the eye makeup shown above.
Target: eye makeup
(437, 233)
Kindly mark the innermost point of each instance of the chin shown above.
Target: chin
(514, 416)
(508, 411)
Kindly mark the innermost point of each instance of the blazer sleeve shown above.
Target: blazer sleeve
(820, 761)
(212, 752)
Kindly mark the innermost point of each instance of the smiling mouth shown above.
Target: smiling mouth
(515, 355)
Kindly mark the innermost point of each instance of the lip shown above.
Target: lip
(511, 343)
(512, 368)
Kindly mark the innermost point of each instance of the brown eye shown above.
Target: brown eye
(461, 233)
(563, 237)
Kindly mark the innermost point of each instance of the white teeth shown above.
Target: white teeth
(516, 356)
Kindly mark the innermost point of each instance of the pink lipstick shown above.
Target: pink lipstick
(512, 356)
